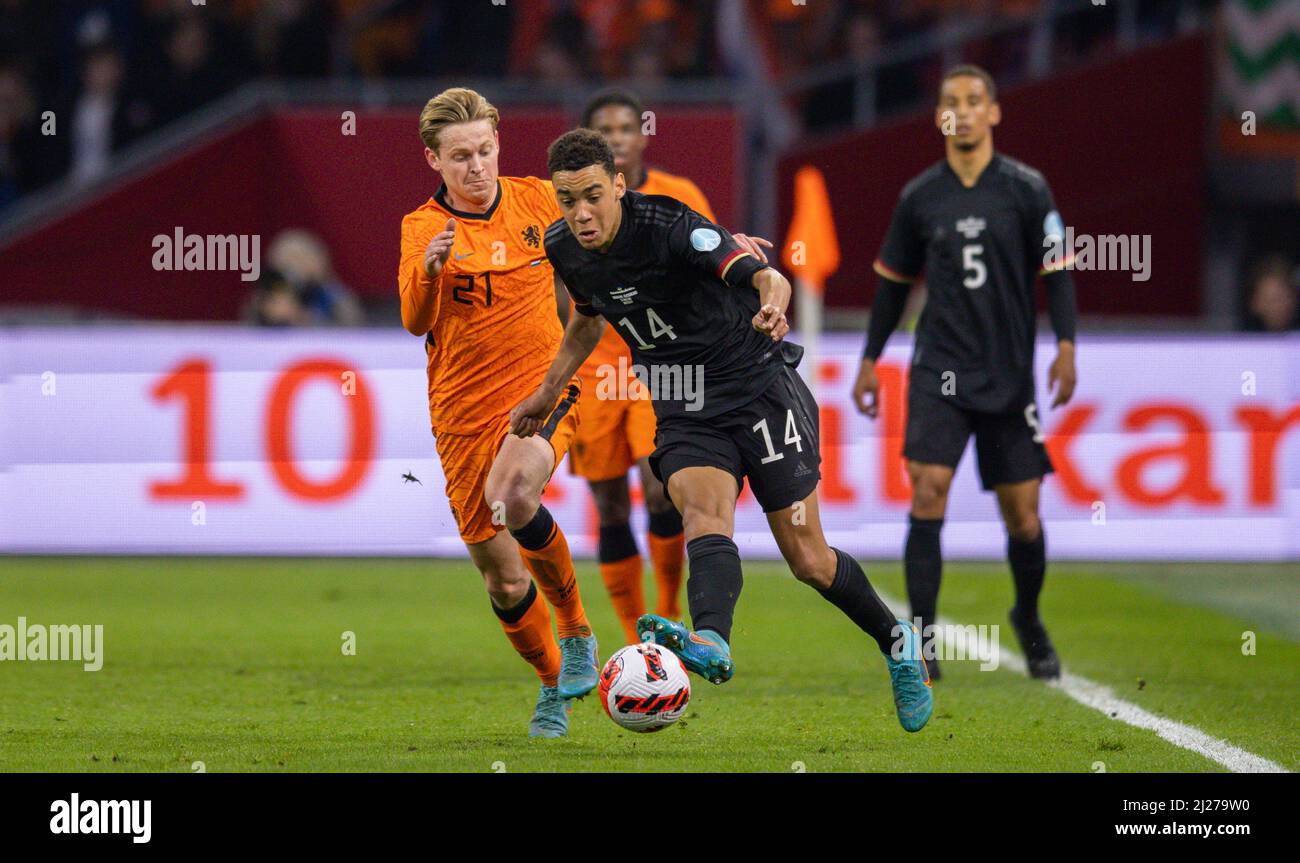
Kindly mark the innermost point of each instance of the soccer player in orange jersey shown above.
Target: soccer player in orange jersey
(618, 434)
(475, 283)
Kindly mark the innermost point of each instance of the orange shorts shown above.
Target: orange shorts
(467, 459)
(615, 434)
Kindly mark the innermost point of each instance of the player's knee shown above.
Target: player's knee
(656, 500)
(612, 504)
(813, 566)
(929, 496)
(514, 499)
(1023, 524)
(506, 588)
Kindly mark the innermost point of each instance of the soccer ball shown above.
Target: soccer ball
(644, 687)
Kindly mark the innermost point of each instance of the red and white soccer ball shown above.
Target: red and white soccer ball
(644, 687)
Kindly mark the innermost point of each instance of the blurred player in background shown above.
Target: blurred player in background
(618, 434)
(475, 282)
(979, 225)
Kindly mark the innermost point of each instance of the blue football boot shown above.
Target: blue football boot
(551, 716)
(579, 672)
(913, 698)
(703, 652)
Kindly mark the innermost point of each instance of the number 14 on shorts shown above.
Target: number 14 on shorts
(791, 437)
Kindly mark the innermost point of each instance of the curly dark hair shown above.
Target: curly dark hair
(578, 149)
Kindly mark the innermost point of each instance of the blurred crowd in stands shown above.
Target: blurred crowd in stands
(105, 72)
(82, 79)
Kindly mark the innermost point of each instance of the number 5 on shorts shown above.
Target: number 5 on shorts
(1031, 417)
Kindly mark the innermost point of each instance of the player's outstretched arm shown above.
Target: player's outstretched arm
(581, 335)
(774, 298)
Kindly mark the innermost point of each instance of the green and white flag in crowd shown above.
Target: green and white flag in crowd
(1260, 69)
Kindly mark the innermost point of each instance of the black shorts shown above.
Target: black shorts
(773, 440)
(1009, 446)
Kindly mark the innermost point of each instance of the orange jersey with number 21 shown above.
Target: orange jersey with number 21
(490, 316)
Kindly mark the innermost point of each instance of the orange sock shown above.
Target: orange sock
(666, 554)
(528, 626)
(549, 562)
(623, 581)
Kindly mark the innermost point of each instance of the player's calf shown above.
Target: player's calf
(714, 584)
(909, 677)
(667, 545)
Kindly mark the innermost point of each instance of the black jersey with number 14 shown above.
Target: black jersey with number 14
(980, 249)
(677, 288)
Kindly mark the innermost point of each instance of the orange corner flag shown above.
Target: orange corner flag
(812, 251)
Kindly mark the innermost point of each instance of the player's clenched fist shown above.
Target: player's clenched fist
(439, 247)
(771, 321)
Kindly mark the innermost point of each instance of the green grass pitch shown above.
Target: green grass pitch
(238, 663)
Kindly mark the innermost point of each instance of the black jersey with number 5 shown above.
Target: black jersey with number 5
(980, 249)
(677, 288)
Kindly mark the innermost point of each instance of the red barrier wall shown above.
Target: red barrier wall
(294, 168)
(1122, 145)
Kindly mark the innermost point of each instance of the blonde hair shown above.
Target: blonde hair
(455, 105)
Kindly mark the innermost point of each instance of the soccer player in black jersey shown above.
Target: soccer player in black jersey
(705, 322)
(978, 225)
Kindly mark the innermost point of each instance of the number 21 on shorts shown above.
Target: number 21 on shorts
(791, 437)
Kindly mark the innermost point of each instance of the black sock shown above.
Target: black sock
(615, 542)
(537, 533)
(714, 583)
(520, 608)
(923, 565)
(852, 594)
(666, 522)
(1028, 566)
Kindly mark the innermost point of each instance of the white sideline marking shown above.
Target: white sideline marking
(1101, 698)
